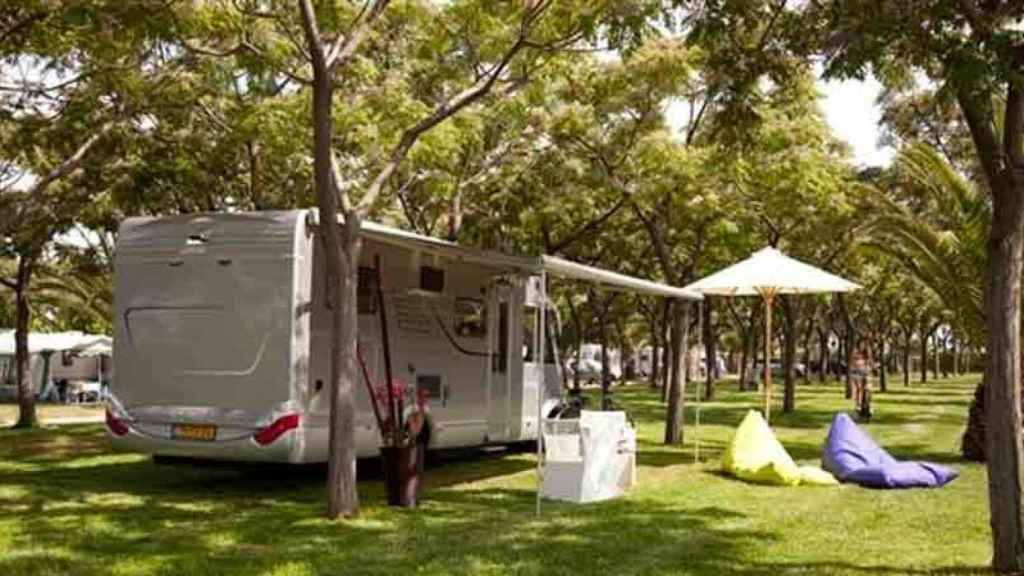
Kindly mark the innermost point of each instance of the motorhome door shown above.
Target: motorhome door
(499, 381)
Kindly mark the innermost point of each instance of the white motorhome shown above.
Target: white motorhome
(222, 336)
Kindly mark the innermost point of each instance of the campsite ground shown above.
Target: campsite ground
(70, 506)
(55, 413)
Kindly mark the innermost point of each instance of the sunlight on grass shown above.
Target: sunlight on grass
(70, 506)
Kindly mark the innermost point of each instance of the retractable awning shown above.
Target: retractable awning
(612, 280)
(552, 265)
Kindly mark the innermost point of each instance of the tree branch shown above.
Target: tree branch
(588, 227)
(978, 113)
(71, 163)
(439, 115)
(345, 45)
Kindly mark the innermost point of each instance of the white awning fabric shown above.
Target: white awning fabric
(553, 265)
(612, 280)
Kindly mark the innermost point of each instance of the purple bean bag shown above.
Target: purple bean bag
(852, 456)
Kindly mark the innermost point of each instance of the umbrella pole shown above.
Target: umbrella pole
(696, 389)
(769, 297)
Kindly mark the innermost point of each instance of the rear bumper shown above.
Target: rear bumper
(239, 449)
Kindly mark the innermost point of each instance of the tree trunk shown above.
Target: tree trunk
(956, 356)
(823, 354)
(789, 332)
(924, 355)
(342, 496)
(669, 360)
(710, 359)
(606, 375)
(935, 355)
(849, 337)
(1004, 450)
(906, 358)
(743, 362)
(677, 381)
(756, 334)
(807, 350)
(578, 353)
(342, 248)
(26, 397)
(883, 366)
(655, 344)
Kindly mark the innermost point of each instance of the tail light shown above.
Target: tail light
(117, 425)
(269, 434)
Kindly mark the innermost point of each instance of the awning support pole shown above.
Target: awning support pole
(700, 346)
(541, 354)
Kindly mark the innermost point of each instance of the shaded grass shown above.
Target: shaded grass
(70, 506)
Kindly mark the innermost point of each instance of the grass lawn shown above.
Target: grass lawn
(70, 506)
(53, 413)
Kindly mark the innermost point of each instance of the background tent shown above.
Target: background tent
(56, 355)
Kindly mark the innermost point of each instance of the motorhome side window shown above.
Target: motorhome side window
(531, 320)
(431, 279)
(470, 318)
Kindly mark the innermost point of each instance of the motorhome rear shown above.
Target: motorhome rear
(222, 338)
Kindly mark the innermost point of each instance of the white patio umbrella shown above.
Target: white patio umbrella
(768, 273)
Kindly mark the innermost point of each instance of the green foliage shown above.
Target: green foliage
(935, 223)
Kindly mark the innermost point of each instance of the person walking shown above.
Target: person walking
(860, 374)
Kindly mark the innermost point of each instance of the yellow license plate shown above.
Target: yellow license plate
(200, 432)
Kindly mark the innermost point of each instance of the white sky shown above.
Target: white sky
(850, 109)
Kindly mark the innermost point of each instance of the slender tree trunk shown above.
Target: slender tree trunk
(606, 375)
(823, 354)
(906, 357)
(670, 358)
(924, 355)
(677, 382)
(789, 339)
(344, 500)
(808, 335)
(743, 362)
(655, 344)
(756, 334)
(883, 366)
(848, 343)
(342, 248)
(935, 355)
(956, 357)
(710, 357)
(26, 396)
(578, 325)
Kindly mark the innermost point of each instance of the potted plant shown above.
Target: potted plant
(401, 451)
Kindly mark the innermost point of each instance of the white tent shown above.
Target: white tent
(41, 345)
(57, 342)
(768, 273)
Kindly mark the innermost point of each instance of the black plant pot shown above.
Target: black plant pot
(401, 466)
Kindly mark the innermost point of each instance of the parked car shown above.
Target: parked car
(799, 369)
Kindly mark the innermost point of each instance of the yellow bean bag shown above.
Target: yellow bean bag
(755, 455)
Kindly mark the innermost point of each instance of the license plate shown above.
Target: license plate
(198, 432)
